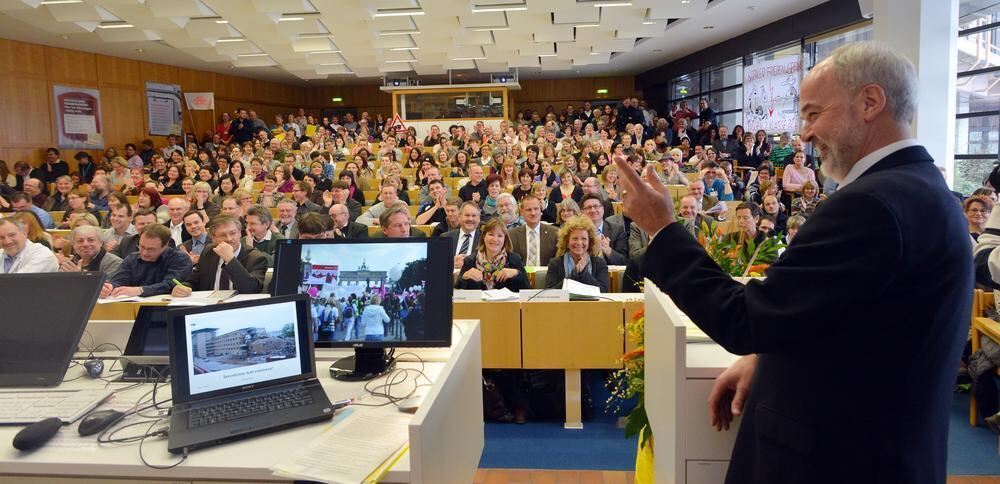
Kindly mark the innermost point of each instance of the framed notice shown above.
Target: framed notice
(78, 117)
(771, 95)
(163, 108)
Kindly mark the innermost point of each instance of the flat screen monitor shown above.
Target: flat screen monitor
(370, 294)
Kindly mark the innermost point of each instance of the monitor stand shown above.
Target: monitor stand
(366, 364)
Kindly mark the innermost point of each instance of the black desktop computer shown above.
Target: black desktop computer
(370, 295)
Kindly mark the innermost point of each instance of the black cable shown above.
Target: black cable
(143, 440)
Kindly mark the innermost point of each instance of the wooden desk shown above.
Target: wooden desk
(500, 325)
(446, 435)
(981, 326)
(572, 336)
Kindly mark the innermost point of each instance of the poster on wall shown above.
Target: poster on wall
(163, 105)
(78, 117)
(771, 95)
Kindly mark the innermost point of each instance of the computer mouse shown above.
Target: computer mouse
(94, 368)
(98, 421)
(410, 405)
(37, 434)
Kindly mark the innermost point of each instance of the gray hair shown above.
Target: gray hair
(20, 224)
(507, 195)
(80, 229)
(262, 213)
(862, 63)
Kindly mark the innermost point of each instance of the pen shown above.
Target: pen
(178, 283)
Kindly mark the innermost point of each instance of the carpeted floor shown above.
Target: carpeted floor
(601, 445)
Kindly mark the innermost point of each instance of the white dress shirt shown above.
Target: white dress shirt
(874, 157)
(461, 239)
(33, 257)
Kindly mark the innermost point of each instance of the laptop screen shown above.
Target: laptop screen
(149, 332)
(241, 346)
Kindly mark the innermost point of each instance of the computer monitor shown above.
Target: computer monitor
(370, 295)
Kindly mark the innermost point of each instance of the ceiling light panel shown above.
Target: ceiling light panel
(579, 16)
(177, 8)
(556, 33)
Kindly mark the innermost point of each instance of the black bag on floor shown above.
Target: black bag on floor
(985, 391)
(494, 407)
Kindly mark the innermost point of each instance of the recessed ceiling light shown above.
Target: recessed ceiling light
(117, 25)
(290, 19)
(586, 26)
(231, 39)
(404, 48)
(139, 51)
(318, 35)
(333, 64)
(596, 53)
(500, 8)
(60, 2)
(324, 52)
(613, 4)
(400, 61)
(685, 2)
(222, 21)
(649, 23)
(468, 58)
(490, 29)
(708, 27)
(262, 54)
(399, 13)
(547, 55)
(399, 32)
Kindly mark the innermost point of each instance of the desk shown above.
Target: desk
(615, 273)
(981, 326)
(446, 435)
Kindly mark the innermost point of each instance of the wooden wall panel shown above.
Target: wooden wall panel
(25, 117)
(117, 71)
(22, 58)
(71, 67)
(538, 94)
(122, 109)
(157, 73)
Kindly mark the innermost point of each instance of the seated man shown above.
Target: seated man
(342, 227)
(194, 223)
(121, 227)
(259, 235)
(688, 214)
(176, 208)
(88, 253)
(20, 255)
(395, 222)
(465, 239)
(507, 211)
(388, 197)
(226, 263)
(543, 237)
(300, 194)
(285, 226)
(452, 222)
(21, 202)
(130, 244)
(35, 190)
(707, 205)
(340, 194)
(612, 237)
(152, 270)
(433, 211)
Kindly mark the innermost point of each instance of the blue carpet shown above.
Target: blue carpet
(602, 446)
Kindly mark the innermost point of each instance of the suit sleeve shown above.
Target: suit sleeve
(250, 279)
(555, 274)
(353, 211)
(780, 313)
(521, 280)
(463, 283)
(619, 247)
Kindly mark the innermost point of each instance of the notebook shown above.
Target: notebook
(242, 369)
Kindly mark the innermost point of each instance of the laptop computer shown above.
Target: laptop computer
(147, 354)
(240, 370)
(41, 327)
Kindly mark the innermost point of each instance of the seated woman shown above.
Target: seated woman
(549, 214)
(200, 200)
(493, 191)
(565, 210)
(977, 210)
(809, 200)
(578, 256)
(171, 184)
(523, 189)
(150, 199)
(797, 174)
(567, 189)
(494, 265)
(60, 201)
(77, 201)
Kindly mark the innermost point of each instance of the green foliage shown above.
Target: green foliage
(287, 331)
(413, 273)
(738, 260)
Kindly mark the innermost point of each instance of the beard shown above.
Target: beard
(839, 156)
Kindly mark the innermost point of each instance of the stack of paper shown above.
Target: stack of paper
(579, 290)
(499, 295)
(350, 451)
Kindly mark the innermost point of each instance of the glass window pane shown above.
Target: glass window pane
(685, 86)
(977, 136)
(979, 50)
(727, 100)
(825, 46)
(454, 105)
(973, 13)
(969, 174)
(730, 120)
(729, 75)
(978, 93)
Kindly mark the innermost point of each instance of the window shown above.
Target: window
(721, 85)
(452, 105)
(977, 94)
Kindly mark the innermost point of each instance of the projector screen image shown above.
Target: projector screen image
(365, 292)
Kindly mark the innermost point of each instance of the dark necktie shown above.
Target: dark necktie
(224, 279)
(465, 244)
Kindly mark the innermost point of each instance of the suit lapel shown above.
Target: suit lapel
(905, 156)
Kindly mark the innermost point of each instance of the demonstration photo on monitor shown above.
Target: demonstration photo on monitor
(365, 292)
(242, 346)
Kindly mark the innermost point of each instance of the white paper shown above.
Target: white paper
(503, 294)
(581, 289)
(466, 295)
(118, 299)
(548, 295)
(80, 124)
(351, 450)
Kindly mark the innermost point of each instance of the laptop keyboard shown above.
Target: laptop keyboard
(248, 407)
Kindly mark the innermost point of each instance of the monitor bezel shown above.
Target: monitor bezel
(440, 245)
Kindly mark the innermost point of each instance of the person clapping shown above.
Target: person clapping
(494, 265)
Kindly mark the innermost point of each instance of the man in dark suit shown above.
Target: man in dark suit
(545, 236)
(259, 234)
(130, 243)
(614, 240)
(341, 225)
(885, 248)
(465, 239)
(227, 263)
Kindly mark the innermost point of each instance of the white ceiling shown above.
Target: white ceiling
(345, 41)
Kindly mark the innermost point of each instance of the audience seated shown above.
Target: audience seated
(22, 202)
(226, 263)
(395, 222)
(611, 237)
(130, 243)
(493, 265)
(387, 198)
(194, 223)
(88, 253)
(578, 256)
(534, 241)
(20, 255)
(341, 225)
(151, 270)
(465, 239)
